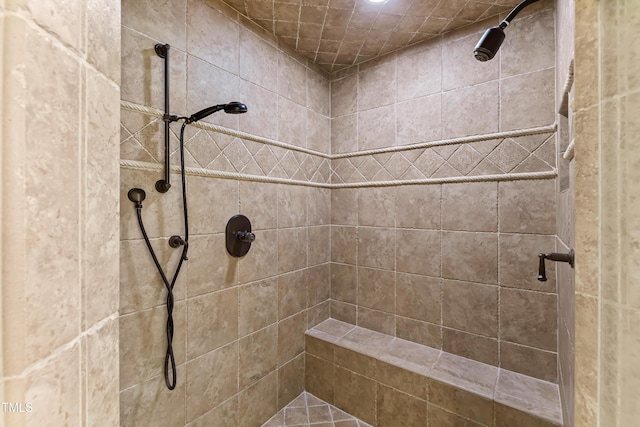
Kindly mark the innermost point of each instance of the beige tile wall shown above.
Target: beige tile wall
(243, 319)
(437, 90)
(438, 278)
(452, 266)
(607, 308)
(61, 87)
(382, 275)
(565, 207)
(239, 323)
(587, 273)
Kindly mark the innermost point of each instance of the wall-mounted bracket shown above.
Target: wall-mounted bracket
(239, 236)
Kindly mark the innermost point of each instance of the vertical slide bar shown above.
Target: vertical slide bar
(163, 185)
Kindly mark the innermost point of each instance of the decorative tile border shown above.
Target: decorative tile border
(502, 155)
(220, 152)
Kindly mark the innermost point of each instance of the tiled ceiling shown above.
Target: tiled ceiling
(336, 34)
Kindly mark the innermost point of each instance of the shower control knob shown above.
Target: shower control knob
(239, 236)
(245, 236)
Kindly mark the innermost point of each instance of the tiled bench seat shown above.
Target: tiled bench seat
(387, 381)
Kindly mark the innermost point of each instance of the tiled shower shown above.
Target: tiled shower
(379, 197)
(448, 265)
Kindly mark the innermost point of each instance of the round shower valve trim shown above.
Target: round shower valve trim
(239, 236)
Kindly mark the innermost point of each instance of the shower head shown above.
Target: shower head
(492, 39)
(489, 44)
(235, 108)
(230, 108)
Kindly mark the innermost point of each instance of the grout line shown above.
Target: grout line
(42, 363)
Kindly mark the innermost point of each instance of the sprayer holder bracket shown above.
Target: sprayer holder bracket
(161, 50)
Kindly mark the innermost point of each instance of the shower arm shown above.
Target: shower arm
(516, 10)
(163, 185)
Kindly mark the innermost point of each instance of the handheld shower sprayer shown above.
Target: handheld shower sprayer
(230, 108)
(492, 39)
(137, 195)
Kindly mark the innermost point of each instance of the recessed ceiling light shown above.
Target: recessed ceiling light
(377, 1)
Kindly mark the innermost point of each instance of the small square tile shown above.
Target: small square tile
(293, 416)
(319, 414)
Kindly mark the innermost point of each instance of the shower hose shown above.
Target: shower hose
(169, 360)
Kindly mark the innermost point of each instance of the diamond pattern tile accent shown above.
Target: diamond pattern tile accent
(397, 165)
(508, 155)
(237, 154)
(266, 159)
(290, 164)
(465, 159)
(124, 133)
(429, 162)
(369, 167)
(309, 166)
(202, 148)
(215, 151)
(336, 34)
(308, 410)
(468, 159)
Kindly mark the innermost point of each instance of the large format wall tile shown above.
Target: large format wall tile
(418, 251)
(143, 343)
(258, 355)
(519, 261)
(258, 60)
(527, 100)
(471, 110)
(462, 68)
(143, 71)
(470, 206)
(213, 321)
(376, 289)
(418, 120)
(213, 389)
(418, 297)
(377, 86)
(210, 267)
(257, 403)
(520, 55)
(471, 346)
(528, 318)
(470, 307)
(261, 118)
(257, 306)
(470, 256)
(527, 207)
(162, 21)
(223, 415)
(206, 27)
(377, 128)
(376, 206)
(414, 79)
(141, 286)
(152, 402)
(376, 247)
(60, 327)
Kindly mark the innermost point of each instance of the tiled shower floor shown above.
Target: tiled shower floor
(308, 410)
